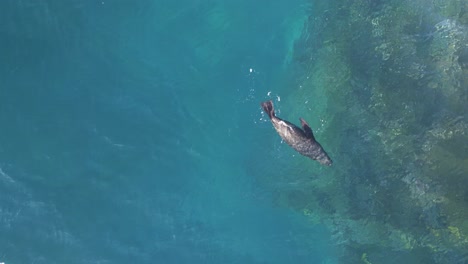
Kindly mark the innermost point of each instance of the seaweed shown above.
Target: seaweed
(391, 80)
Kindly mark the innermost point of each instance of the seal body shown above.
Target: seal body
(302, 140)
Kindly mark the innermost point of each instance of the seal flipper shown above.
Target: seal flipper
(307, 129)
(268, 108)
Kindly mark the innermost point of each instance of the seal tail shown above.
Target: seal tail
(268, 108)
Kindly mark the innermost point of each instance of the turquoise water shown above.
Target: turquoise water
(131, 133)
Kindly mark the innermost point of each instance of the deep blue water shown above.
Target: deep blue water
(131, 133)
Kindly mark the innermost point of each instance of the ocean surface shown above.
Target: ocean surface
(127, 129)
(131, 131)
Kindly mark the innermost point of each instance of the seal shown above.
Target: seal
(302, 140)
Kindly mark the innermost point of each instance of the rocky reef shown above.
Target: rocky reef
(393, 79)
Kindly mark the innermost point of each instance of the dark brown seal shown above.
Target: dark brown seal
(302, 140)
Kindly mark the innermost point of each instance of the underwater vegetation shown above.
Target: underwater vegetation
(393, 76)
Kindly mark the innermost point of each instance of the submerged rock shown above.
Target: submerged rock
(393, 76)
